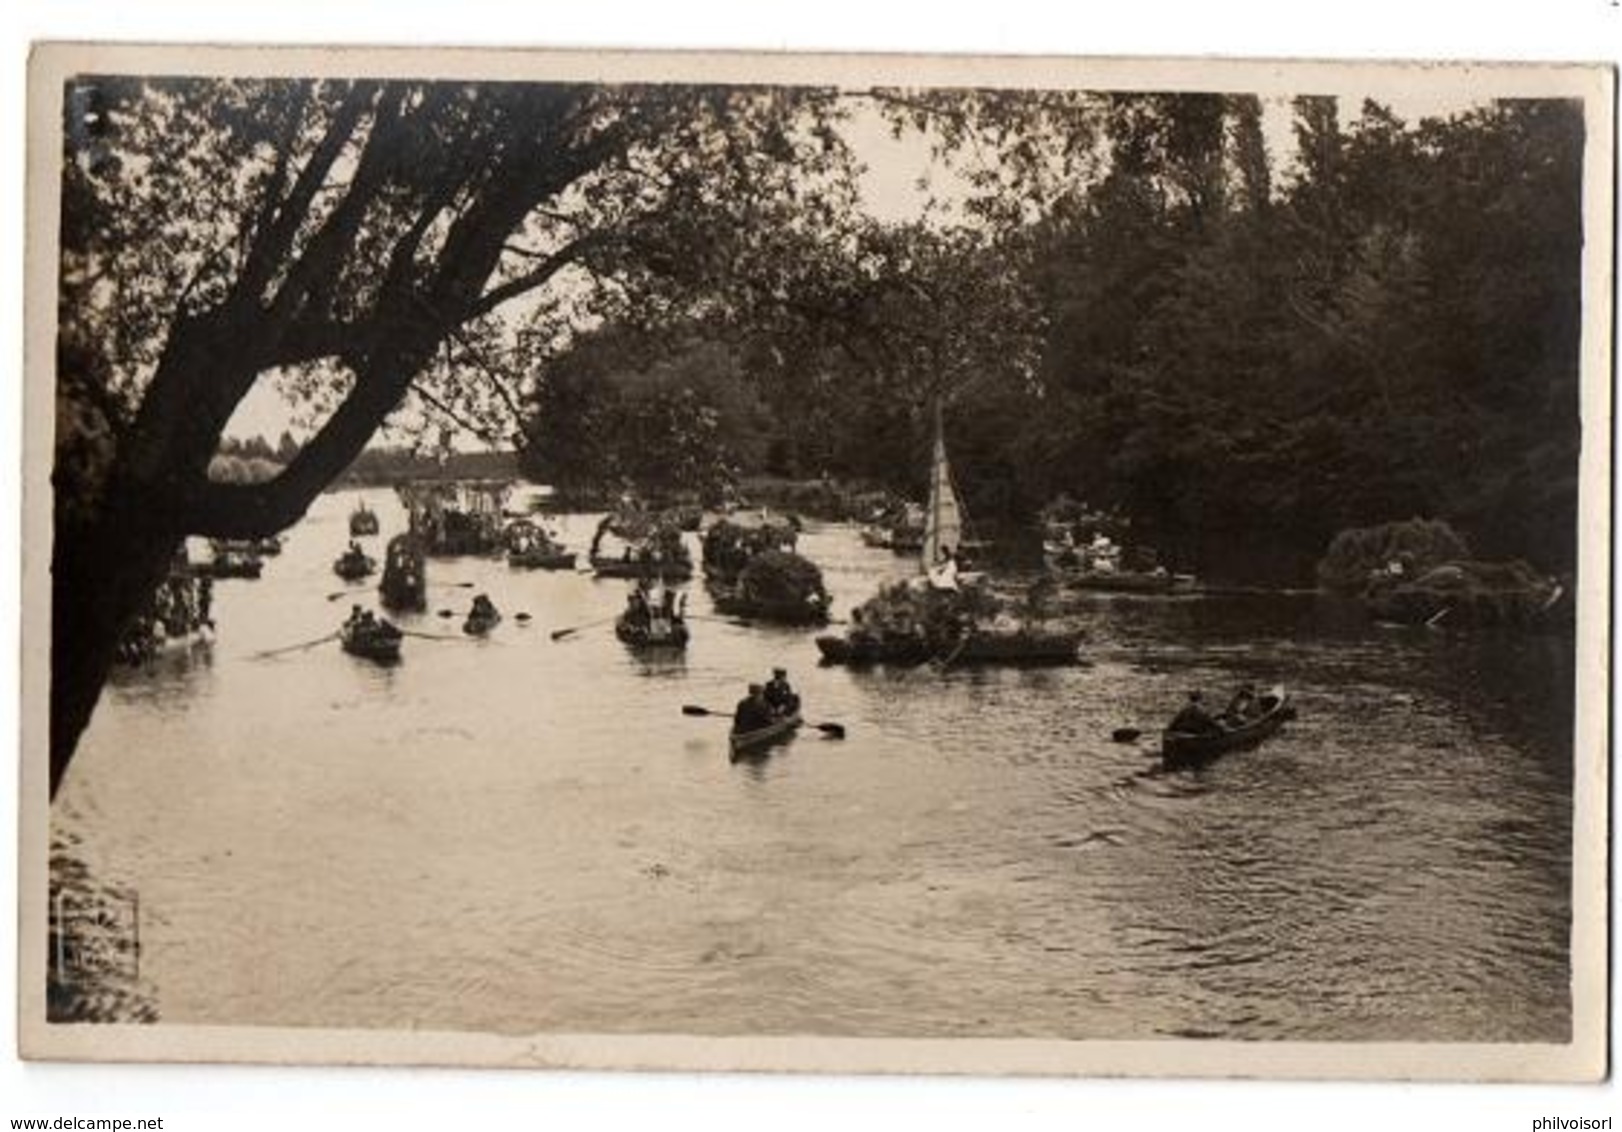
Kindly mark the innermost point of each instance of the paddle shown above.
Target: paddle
(559, 634)
(832, 730)
(295, 648)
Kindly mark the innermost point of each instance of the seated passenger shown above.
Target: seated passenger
(752, 712)
(1194, 719)
(780, 695)
(1243, 705)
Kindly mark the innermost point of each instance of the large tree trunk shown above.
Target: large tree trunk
(102, 574)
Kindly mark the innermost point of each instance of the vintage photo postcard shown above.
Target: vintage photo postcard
(860, 564)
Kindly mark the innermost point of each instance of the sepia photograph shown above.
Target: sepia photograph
(817, 562)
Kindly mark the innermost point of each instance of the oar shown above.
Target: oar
(295, 648)
(559, 634)
(452, 585)
(832, 730)
(429, 636)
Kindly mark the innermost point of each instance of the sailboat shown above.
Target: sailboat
(970, 642)
(945, 523)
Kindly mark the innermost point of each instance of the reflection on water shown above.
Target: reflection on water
(517, 834)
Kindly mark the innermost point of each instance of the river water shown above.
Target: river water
(517, 834)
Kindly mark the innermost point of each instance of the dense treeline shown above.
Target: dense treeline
(1391, 332)
(1242, 349)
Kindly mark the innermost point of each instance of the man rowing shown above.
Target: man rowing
(780, 695)
(753, 712)
(1194, 719)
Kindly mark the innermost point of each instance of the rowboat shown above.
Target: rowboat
(673, 570)
(478, 624)
(404, 585)
(745, 743)
(378, 641)
(732, 603)
(353, 565)
(1179, 749)
(661, 632)
(230, 564)
(541, 558)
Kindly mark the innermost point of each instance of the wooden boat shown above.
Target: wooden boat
(732, 603)
(1179, 749)
(354, 565)
(377, 641)
(658, 633)
(1124, 581)
(405, 582)
(674, 570)
(542, 558)
(532, 547)
(231, 564)
(362, 521)
(479, 622)
(745, 743)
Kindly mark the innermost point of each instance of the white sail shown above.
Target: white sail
(943, 518)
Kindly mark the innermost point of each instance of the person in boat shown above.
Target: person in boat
(483, 608)
(1243, 705)
(943, 576)
(636, 608)
(753, 712)
(1194, 719)
(780, 695)
(355, 617)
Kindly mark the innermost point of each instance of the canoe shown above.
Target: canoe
(380, 643)
(752, 742)
(1179, 749)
